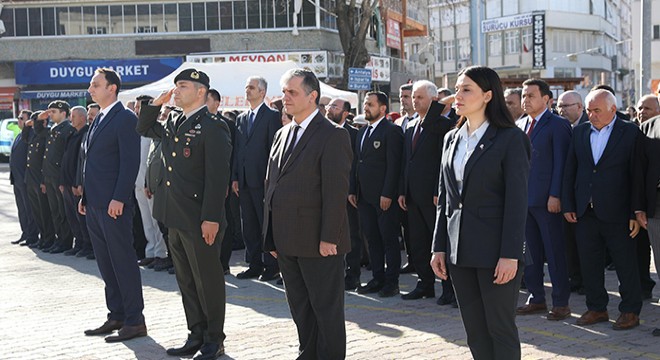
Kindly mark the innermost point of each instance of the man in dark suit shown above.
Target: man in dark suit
(68, 183)
(597, 195)
(33, 180)
(58, 136)
(374, 189)
(549, 135)
(513, 100)
(17, 177)
(191, 202)
(306, 225)
(418, 186)
(112, 156)
(408, 114)
(254, 137)
(571, 107)
(337, 111)
(213, 103)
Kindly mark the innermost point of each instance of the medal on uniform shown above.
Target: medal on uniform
(186, 152)
(376, 144)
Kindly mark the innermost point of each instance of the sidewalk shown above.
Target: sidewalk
(47, 301)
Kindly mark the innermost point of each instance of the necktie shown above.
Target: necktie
(251, 122)
(181, 120)
(292, 144)
(531, 127)
(366, 136)
(95, 125)
(418, 132)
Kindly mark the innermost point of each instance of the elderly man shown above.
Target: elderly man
(570, 107)
(512, 98)
(598, 195)
(647, 107)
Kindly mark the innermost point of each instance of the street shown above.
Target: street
(48, 300)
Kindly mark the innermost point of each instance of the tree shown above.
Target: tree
(353, 27)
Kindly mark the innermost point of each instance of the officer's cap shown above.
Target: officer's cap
(60, 105)
(193, 75)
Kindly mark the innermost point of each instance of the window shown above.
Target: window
(283, 9)
(527, 39)
(91, 30)
(199, 17)
(7, 17)
(157, 18)
(212, 18)
(253, 14)
(143, 18)
(495, 44)
(449, 50)
(656, 32)
(170, 15)
(185, 17)
(21, 16)
(226, 15)
(145, 29)
(240, 20)
(34, 16)
(130, 18)
(116, 19)
(512, 41)
(464, 49)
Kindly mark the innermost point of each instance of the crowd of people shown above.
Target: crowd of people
(481, 188)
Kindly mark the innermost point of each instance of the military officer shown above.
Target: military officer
(190, 202)
(33, 180)
(58, 136)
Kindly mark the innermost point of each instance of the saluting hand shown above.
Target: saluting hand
(163, 98)
(209, 231)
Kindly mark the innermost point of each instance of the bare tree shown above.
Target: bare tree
(353, 26)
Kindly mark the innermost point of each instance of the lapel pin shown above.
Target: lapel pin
(481, 147)
(376, 144)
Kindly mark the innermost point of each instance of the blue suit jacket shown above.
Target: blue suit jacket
(609, 182)
(550, 139)
(18, 161)
(112, 159)
(252, 148)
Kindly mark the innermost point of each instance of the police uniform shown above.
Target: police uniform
(33, 180)
(57, 138)
(196, 153)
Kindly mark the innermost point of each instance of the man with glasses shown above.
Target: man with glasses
(570, 107)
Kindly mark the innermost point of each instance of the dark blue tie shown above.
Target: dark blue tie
(250, 122)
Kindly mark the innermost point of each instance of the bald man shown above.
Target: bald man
(647, 107)
(570, 107)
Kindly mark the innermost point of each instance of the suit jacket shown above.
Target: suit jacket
(305, 198)
(69, 168)
(608, 184)
(486, 221)
(232, 135)
(352, 133)
(58, 137)
(550, 138)
(18, 160)
(35, 156)
(583, 119)
(112, 159)
(377, 165)
(196, 161)
(646, 185)
(251, 149)
(420, 168)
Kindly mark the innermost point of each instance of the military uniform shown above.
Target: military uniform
(196, 154)
(57, 138)
(33, 180)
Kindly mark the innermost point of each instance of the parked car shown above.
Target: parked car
(8, 131)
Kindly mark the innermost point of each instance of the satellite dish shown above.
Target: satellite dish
(426, 58)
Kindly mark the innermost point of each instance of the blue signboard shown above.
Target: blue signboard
(359, 79)
(81, 71)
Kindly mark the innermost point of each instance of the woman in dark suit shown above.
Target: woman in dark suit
(482, 208)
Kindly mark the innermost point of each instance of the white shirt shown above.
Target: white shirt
(464, 148)
(105, 110)
(303, 125)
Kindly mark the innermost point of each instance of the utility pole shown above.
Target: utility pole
(645, 49)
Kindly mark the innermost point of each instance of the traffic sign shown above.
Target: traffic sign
(359, 79)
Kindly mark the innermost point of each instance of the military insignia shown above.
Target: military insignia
(481, 147)
(191, 131)
(376, 144)
(194, 75)
(186, 152)
(189, 135)
(198, 126)
(198, 132)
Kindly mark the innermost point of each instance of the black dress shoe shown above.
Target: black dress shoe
(50, 248)
(446, 299)
(127, 333)
(84, 252)
(373, 286)
(189, 348)
(209, 351)
(90, 256)
(107, 328)
(280, 281)
(647, 295)
(71, 252)
(250, 273)
(656, 332)
(16, 242)
(389, 290)
(418, 294)
(408, 269)
(269, 274)
(351, 284)
(60, 249)
(171, 271)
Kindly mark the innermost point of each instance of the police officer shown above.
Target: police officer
(190, 202)
(58, 136)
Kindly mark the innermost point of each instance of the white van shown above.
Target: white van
(8, 131)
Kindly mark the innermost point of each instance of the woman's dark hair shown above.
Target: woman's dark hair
(488, 80)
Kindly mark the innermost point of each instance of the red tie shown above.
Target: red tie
(531, 127)
(418, 132)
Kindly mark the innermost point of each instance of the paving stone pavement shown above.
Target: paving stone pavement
(46, 301)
